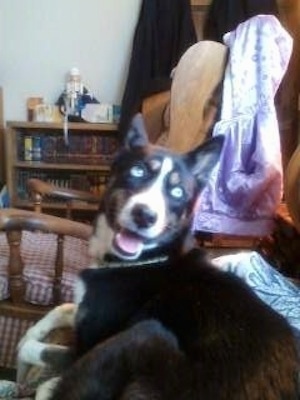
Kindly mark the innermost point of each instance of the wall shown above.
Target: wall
(41, 40)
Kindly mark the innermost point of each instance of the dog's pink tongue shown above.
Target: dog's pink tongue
(128, 243)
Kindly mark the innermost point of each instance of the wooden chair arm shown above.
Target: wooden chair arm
(292, 187)
(39, 189)
(16, 220)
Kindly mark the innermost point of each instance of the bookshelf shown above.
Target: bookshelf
(38, 150)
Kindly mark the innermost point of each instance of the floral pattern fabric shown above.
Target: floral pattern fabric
(270, 285)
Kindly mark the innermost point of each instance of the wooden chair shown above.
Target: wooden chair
(40, 257)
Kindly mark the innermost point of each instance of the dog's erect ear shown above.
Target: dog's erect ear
(203, 159)
(136, 135)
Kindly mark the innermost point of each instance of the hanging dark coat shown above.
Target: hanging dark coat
(225, 15)
(164, 31)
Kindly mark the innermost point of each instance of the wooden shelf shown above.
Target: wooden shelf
(62, 166)
(82, 168)
(72, 126)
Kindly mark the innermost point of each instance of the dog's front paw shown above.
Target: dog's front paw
(32, 346)
(60, 317)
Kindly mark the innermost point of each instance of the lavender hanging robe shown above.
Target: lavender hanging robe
(246, 186)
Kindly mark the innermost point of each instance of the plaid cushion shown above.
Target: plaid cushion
(11, 331)
(38, 253)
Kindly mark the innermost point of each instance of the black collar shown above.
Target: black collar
(114, 262)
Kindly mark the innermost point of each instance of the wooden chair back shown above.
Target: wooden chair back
(13, 224)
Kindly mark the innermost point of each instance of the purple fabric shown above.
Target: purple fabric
(246, 186)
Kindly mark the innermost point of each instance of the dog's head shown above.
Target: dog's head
(149, 199)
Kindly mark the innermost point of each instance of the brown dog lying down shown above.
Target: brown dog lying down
(164, 323)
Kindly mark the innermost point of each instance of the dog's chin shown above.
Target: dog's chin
(129, 246)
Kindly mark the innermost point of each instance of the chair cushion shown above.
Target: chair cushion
(11, 331)
(38, 254)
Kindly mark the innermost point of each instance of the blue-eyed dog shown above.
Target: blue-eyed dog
(158, 321)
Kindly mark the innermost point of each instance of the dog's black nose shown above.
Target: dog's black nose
(143, 216)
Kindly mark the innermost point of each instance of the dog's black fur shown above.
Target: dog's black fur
(180, 330)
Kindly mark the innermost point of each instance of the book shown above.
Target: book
(82, 149)
(4, 197)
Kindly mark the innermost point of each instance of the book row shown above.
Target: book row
(85, 149)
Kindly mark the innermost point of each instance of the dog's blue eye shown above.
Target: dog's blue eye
(137, 171)
(177, 192)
